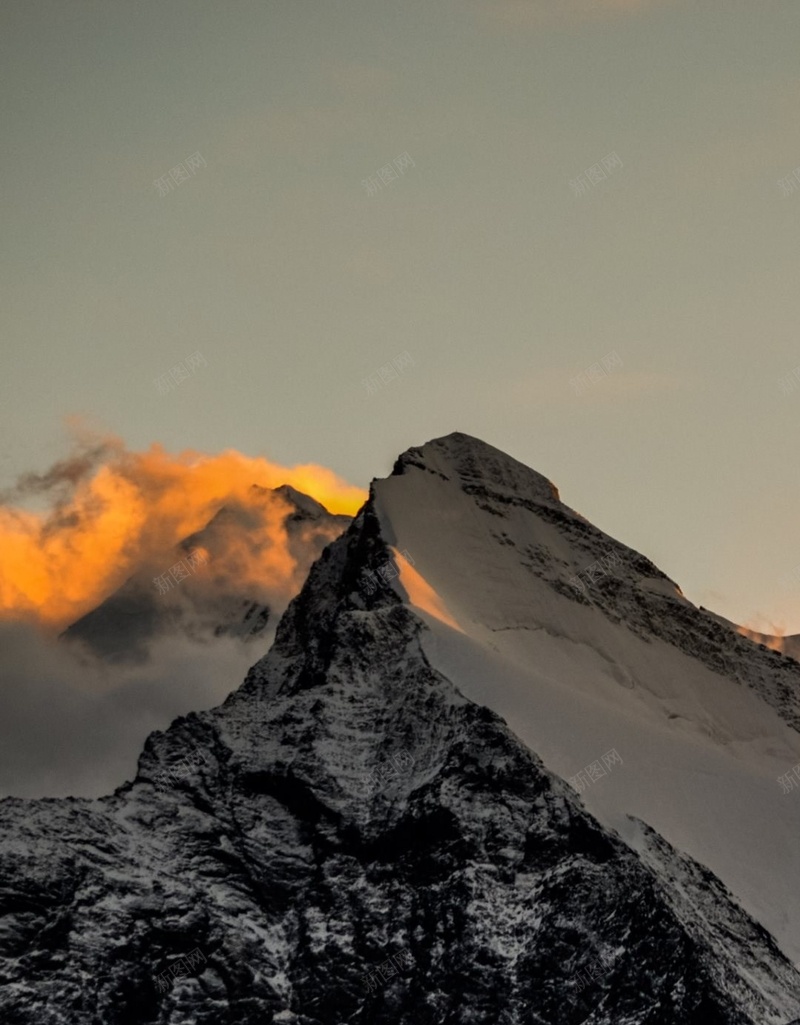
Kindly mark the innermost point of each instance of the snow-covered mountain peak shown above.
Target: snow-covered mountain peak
(304, 506)
(495, 542)
(474, 462)
(492, 531)
(583, 645)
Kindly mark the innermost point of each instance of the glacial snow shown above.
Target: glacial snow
(701, 752)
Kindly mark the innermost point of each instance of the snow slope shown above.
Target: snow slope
(704, 721)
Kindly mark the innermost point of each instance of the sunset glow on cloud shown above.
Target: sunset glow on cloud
(111, 511)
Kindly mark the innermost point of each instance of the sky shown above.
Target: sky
(495, 194)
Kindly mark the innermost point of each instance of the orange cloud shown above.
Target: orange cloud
(110, 511)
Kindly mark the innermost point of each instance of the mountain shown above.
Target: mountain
(786, 644)
(215, 593)
(583, 646)
(361, 833)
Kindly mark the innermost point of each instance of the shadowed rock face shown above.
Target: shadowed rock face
(348, 839)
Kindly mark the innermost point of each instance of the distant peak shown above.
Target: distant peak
(299, 499)
(474, 461)
(291, 493)
(303, 503)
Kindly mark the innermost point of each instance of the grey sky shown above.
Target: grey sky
(480, 260)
